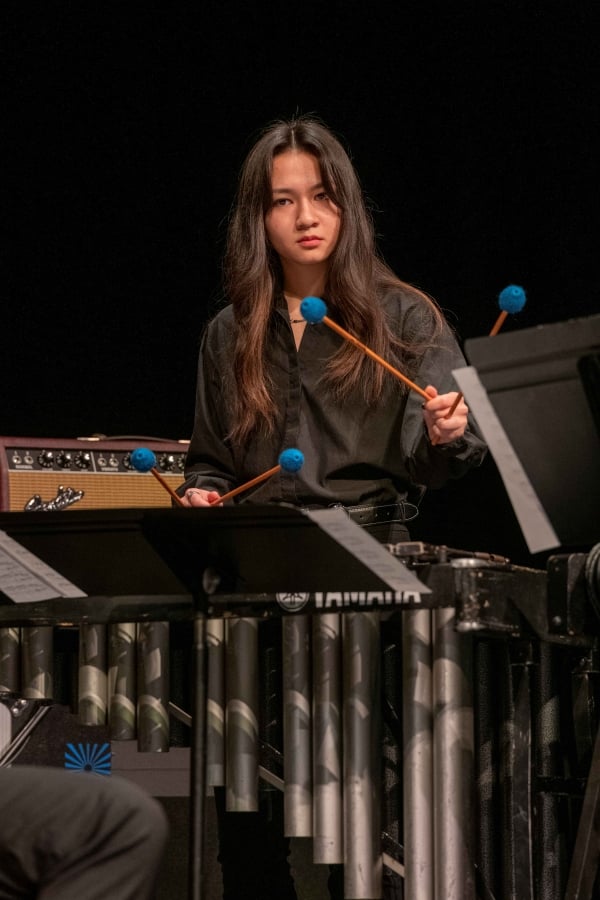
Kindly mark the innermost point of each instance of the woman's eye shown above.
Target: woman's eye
(281, 201)
(322, 196)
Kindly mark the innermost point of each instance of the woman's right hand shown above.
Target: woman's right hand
(199, 497)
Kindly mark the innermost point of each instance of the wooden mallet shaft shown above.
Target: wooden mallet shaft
(246, 486)
(167, 487)
(378, 359)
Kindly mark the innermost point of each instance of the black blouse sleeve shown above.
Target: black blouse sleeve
(433, 465)
(209, 462)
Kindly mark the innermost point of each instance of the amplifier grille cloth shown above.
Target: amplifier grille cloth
(104, 491)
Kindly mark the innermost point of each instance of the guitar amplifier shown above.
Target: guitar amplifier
(86, 473)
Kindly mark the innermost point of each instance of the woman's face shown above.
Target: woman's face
(302, 223)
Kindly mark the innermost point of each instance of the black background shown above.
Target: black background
(473, 128)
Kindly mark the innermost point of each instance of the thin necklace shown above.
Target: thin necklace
(294, 321)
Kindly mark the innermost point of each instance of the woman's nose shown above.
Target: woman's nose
(306, 215)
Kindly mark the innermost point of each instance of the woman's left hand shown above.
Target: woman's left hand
(440, 429)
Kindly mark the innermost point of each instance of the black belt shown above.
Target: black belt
(374, 515)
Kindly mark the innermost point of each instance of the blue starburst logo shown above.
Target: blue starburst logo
(89, 758)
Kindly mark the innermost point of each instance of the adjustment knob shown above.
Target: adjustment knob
(46, 459)
(83, 459)
(167, 462)
(64, 459)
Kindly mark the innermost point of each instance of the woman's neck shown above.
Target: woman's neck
(295, 291)
(303, 281)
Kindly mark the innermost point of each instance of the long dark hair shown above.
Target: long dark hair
(356, 277)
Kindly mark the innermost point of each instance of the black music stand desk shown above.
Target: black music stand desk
(143, 564)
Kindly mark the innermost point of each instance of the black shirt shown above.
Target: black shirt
(353, 453)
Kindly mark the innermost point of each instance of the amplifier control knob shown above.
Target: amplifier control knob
(64, 459)
(83, 460)
(167, 462)
(181, 462)
(46, 459)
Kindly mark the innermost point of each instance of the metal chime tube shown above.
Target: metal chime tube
(10, 660)
(5, 729)
(417, 718)
(297, 759)
(37, 643)
(328, 836)
(215, 703)
(516, 773)
(453, 760)
(196, 873)
(362, 756)
(153, 686)
(242, 749)
(92, 681)
(122, 690)
(551, 875)
(487, 704)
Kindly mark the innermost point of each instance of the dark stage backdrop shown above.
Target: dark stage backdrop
(472, 126)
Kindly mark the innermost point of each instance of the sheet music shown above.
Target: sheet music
(531, 515)
(372, 554)
(27, 579)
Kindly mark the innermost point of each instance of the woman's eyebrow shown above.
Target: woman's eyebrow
(285, 190)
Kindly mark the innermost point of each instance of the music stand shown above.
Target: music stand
(543, 384)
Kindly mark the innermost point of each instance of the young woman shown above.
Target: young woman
(268, 381)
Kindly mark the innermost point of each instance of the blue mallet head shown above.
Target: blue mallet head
(142, 459)
(512, 299)
(313, 309)
(291, 459)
